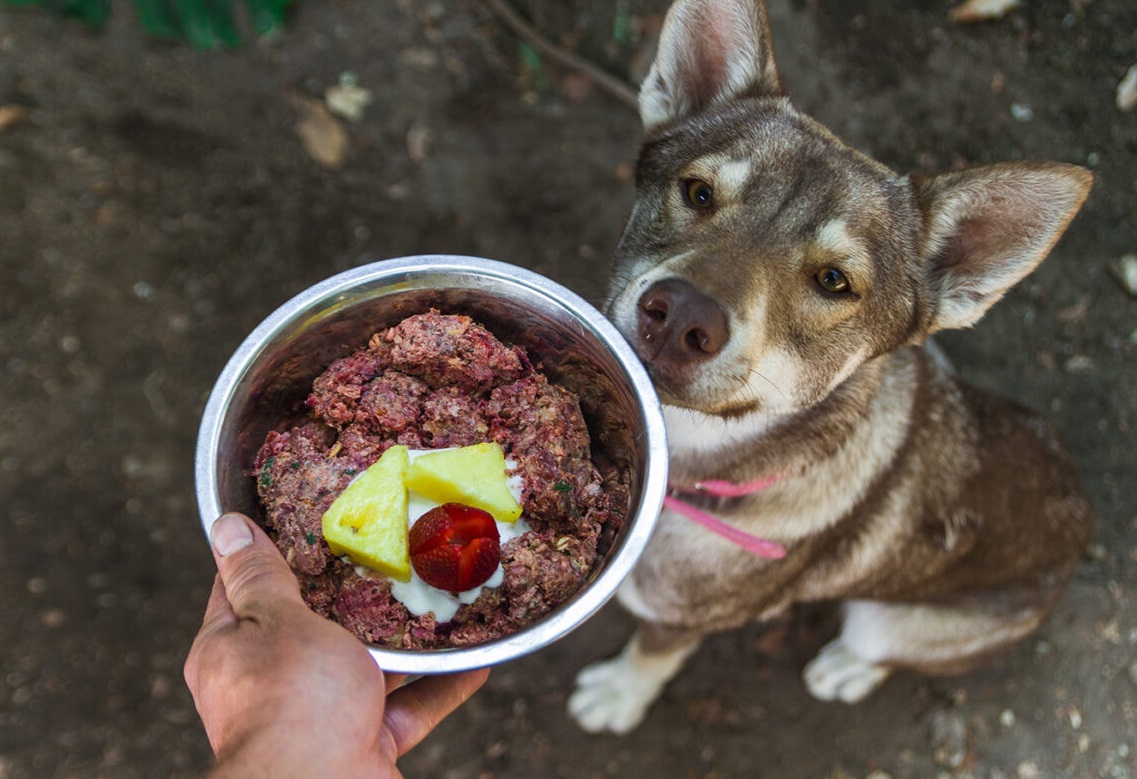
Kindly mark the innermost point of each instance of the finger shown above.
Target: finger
(395, 681)
(252, 570)
(414, 710)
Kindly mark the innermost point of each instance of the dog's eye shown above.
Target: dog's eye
(833, 280)
(699, 194)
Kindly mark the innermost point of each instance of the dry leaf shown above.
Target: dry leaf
(1075, 312)
(11, 114)
(981, 10)
(1127, 90)
(419, 140)
(323, 136)
(576, 86)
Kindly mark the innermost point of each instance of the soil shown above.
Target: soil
(156, 202)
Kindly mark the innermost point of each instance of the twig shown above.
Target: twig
(522, 29)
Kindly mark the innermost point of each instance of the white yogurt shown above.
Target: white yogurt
(418, 596)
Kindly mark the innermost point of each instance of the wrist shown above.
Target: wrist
(286, 752)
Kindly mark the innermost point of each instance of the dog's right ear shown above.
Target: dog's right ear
(710, 51)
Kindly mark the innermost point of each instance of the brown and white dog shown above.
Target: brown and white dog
(780, 287)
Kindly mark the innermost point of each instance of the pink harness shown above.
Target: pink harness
(725, 489)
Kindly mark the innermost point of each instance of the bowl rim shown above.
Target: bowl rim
(600, 589)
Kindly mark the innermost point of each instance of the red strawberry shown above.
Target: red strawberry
(455, 547)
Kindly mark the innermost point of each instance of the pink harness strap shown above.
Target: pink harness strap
(761, 547)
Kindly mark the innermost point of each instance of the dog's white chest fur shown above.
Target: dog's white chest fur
(684, 559)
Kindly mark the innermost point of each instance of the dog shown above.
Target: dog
(781, 288)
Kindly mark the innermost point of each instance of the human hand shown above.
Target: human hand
(284, 692)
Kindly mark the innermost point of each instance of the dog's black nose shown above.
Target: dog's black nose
(678, 324)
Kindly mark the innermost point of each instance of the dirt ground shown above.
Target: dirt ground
(156, 202)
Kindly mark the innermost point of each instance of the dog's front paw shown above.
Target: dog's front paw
(838, 674)
(612, 696)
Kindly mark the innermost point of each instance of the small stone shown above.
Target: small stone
(1127, 90)
(1007, 718)
(1096, 552)
(1022, 112)
(949, 739)
(143, 290)
(1079, 363)
(1124, 269)
(348, 99)
(1027, 769)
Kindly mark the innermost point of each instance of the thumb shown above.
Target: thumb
(252, 570)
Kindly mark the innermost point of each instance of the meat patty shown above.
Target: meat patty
(434, 381)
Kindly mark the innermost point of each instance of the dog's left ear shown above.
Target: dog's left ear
(988, 227)
(710, 51)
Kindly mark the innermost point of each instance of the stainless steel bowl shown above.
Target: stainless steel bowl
(270, 374)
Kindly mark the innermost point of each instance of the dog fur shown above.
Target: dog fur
(780, 287)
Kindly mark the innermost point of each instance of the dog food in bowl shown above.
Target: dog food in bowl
(432, 382)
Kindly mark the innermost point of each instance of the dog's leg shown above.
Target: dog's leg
(615, 694)
(840, 673)
(946, 637)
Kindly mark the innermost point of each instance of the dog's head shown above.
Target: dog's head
(765, 261)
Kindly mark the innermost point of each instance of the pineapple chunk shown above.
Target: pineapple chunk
(473, 475)
(368, 521)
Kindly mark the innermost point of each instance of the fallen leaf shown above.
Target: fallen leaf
(1075, 312)
(981, 10)
(576, 87)
(1127, 90)
(419, 140)
(11, 114)
(323, 136)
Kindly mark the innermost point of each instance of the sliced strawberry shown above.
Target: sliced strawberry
(455, 547)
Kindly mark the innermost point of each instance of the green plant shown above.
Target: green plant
(206, 24)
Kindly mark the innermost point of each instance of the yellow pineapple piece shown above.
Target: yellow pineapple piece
(368, 521)
(473, 475)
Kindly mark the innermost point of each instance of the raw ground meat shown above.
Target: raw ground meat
(435, 381)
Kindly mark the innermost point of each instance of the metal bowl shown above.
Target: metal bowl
(266, 380)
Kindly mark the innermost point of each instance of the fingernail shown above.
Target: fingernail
(230, 533)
